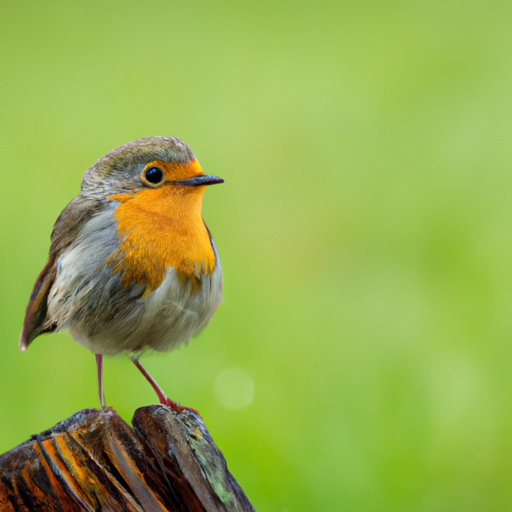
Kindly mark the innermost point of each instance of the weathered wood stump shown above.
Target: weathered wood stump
(94, 461)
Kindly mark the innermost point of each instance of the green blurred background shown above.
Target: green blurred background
(362, 359)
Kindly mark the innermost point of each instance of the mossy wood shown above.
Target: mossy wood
(94, 461)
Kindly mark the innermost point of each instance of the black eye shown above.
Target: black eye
(154, 175)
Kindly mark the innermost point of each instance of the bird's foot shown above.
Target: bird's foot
(178, 408)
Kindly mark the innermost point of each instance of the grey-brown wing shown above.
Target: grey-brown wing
(66, 228)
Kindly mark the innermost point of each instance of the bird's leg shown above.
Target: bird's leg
(99, 366)
(159, 391)
(164, 400)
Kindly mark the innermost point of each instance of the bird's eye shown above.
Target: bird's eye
(153, 175)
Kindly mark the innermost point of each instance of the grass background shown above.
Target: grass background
(364, 230)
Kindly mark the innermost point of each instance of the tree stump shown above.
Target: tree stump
(94, 461)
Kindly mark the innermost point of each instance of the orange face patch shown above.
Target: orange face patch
(162, 227)
(177, 172)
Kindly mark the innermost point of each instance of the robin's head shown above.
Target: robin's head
(148, 163)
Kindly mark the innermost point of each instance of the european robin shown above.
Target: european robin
(132, 265)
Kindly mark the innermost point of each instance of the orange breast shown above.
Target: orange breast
(162, 228)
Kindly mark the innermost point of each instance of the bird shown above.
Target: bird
(132, 266)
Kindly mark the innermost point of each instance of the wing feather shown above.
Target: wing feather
(36, 321)
(76, 214)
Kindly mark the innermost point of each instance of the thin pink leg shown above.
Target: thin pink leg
(99, 365)
(159, 391)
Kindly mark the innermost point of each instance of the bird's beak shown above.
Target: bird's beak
(199, 181)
